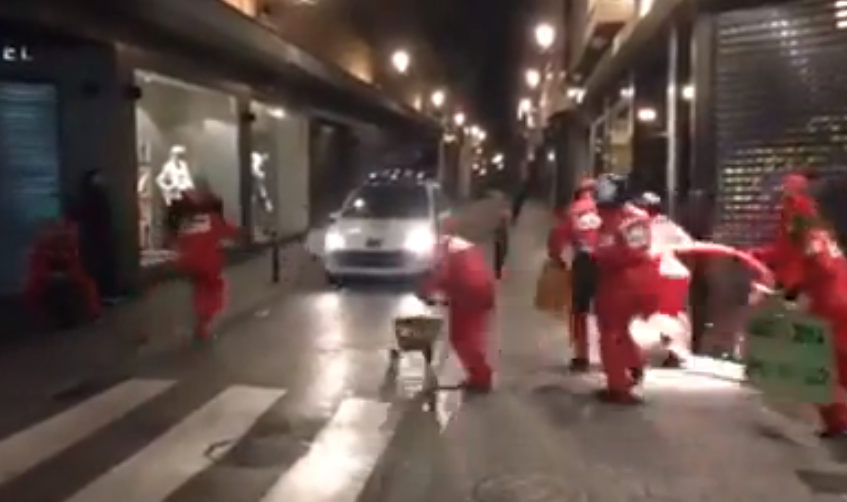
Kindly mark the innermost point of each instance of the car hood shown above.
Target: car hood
(388, 234)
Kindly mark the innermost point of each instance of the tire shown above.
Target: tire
(333, 280)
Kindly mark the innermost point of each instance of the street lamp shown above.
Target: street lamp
(459, 119)
(401, 60)
(533, 78)
(545, 35)
(438, 98)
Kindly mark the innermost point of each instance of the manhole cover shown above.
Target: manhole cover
(259, 452)
(523, 488)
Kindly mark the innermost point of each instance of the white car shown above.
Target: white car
(385, 230)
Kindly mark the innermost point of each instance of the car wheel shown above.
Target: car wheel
(334, 281)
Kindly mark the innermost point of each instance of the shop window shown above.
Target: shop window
(266, 158)
(187, 138)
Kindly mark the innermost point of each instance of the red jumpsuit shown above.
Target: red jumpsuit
(628, 287)
(806, 258)
(466, 281)
(56, 251)
(576, 232)
(201, 259)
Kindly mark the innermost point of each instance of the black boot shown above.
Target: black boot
(579, 365)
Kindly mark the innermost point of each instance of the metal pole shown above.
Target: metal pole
(442, 154)
(275, 261)
(672, 122)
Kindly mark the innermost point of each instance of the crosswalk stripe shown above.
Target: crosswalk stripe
(32, 446)
(164, 465)
(340, 459)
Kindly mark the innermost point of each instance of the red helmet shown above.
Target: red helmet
(795, 184)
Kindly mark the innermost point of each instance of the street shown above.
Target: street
(300, 404)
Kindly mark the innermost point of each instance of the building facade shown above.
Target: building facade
(156, 109)
(721, 99)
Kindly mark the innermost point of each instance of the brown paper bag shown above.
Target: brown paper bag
(553, 290)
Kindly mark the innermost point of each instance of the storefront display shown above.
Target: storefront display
(187, 138)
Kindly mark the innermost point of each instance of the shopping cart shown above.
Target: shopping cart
(417, 333)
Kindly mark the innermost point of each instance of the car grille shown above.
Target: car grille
(372, 259)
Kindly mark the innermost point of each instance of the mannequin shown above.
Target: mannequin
(175, 178)
(260, 181)
(145, 208)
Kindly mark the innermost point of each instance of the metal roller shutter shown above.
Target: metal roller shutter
(780, 88)
(29, 173)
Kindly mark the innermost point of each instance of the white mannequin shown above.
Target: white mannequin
(175, 178)
(260, 178)
(144, 206)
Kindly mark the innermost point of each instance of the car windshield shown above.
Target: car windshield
(388, 201)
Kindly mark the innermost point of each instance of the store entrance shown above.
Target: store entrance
(30, 184)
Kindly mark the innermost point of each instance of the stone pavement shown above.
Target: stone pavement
(542, 437)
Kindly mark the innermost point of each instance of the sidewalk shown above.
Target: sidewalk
(542, 436)
(160, 321)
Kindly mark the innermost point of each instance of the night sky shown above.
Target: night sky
(480, 42)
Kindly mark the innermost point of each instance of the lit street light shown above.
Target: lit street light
(401, 60)
(438, 98)
(459, 119)
(533, 78)
(545, 35)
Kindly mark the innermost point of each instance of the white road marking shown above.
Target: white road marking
(32, 446)
(449, 401)
(340, 459)
(167, 463)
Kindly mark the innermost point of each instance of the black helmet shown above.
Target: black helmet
(610, 190)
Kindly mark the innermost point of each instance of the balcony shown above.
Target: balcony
(603, 20)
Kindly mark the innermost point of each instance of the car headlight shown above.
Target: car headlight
(420, 241)
(334, 241)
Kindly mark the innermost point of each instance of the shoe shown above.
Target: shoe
(637, 375)
(477, 387)
(579, 365)
(832, 433)
(617, 397)
(672, 361)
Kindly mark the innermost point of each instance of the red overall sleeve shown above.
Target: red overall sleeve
(559, 237)
(224, 229)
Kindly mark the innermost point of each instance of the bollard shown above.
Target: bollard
(275, 265)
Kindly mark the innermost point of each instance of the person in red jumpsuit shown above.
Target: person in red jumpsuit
(627, 286)
(671, 316)
(56, 267)
(806, 259)
(202, 231)
(464, 279)
(573, 240)
(782, 255)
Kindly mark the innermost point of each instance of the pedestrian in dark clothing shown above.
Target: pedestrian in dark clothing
(501, 245)
(96, 234)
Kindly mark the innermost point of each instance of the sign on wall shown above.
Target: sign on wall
(15, 53)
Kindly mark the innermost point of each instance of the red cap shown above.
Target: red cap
(586, 184)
